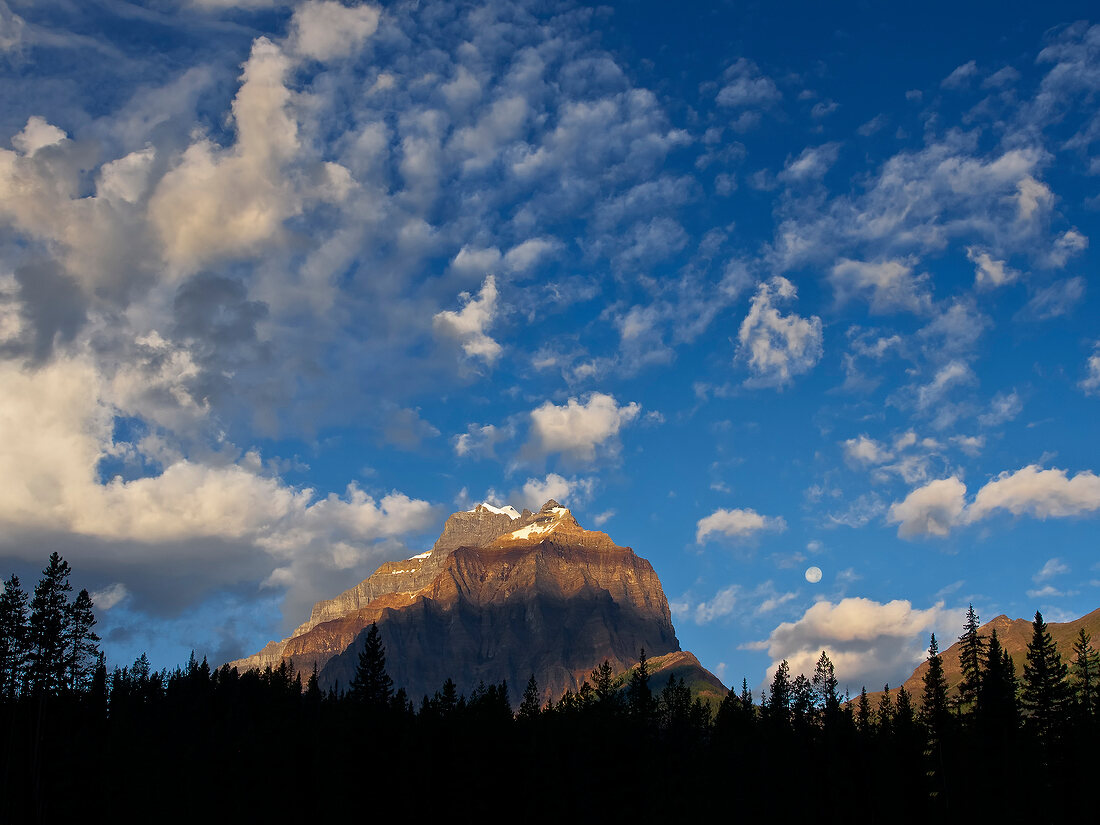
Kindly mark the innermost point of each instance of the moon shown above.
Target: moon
(813, 575)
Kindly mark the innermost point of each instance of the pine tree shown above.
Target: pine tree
(606, 689)
(1045, 693)
(13, 638)
(885, 711)
(864, 715)
(779, 696)
(903, 711)
(82, 648)
(529, 707)
(997, 708)
(1086, 674)
(372, 686)
(639, 697)
(971, 655)
(934, 709)
(825, 686)
(48, 636)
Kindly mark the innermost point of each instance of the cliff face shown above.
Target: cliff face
(501, 595)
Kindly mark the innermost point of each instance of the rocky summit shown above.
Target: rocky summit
(500, 596)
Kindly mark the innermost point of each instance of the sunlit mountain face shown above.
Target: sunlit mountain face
(798, 304)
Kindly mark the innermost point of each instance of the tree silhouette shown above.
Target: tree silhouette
(1086, 674)
(971, 656)
(372, 686)
(13, 638)
(934, 710)
(49, 634)
(1045, 692)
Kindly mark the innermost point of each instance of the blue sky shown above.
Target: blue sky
(754, 290)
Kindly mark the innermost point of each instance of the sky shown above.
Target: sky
(795, 299)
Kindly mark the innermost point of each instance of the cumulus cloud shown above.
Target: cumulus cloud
(989, 273)
(870, 643)
(577, 429)
(939, 506)
(888, 286)
(224, 202)
(566, 491)
(1003, 408)
(326, 29)
(179, 512)
(931, 510)
(777, 347)
(468, 326)
(867, 451)
(109, 596)
(736, 524)
(744, 85)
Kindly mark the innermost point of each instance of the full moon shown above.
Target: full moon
(813, 574)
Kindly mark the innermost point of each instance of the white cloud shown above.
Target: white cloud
(865, 450)
(1091, 382)
(230, 202)
(931, 510)
(566, 491)
(1069, 243)
(744, 85)
(479, 440)
(812, 164)
(888, 286)
(721, 605)
(1053, 567)
(961, 76)
(1058, 299)
(326, 29)
(11, 29)
(37, 134)
(600, 519)
(778, 347)
(109, 596)
(1003, 408)
(577, 429)
(1032, 197)
(736, 524)
(870, 643)
(529, 254)
(937, 507)
(989, 273)
(468, 327)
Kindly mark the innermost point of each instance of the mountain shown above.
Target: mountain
(1014, 636)
(501, 595)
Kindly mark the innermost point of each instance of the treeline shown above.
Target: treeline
(85, 743)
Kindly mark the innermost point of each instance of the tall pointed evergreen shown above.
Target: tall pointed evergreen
(826, 687)
(1045, 691)
(372, 685)
(530, 706)
(82, 643)
(780, 696)
(48, 635)
(639, 696)
(13, 638)
(971, 657)
(1086, 674)
(934, 708)
(997, 707)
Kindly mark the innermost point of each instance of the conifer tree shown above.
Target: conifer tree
(903, 711)
(825, 686)
(82, 643)
(885, 711)
(639, 697)
(934, 709)
(997, 707)
(1086, 674)
(372, 686)
(529, 707)
(864, 715)
(48, 635)
(13, 638)
(971, 657)
(1045, 691)
(779, 696)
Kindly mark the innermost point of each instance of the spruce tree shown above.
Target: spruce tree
(997, 708)
(13, 638)
(934, 709)
(864, 715)
(529, 707)
(885, 711)
(779, 696)
(48, 635)
(971, 656)
(1045, 693)
(82, 643)
(825, 686)
(1086, 674)
(372, 686)
(639, 697)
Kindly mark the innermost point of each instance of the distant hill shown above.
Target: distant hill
(1014, 636)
